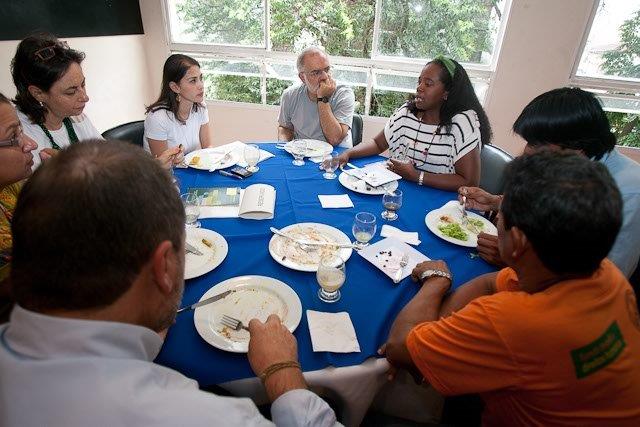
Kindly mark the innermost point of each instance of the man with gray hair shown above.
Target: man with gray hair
(318, 108)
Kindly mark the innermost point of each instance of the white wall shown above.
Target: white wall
(116, 72)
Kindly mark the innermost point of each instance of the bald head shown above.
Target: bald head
(87, 221)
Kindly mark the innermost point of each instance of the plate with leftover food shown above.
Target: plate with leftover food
(360, 186)
(252, 297)
(315, 148)
(214, 249)
(447, 223)
(289, 253)
(211, 159)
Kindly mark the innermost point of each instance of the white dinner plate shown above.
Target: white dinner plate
(359, 186)
(452, 210)
(287, 253)
(315, 148)
(197, 265)
(254, 297)
(212, 158)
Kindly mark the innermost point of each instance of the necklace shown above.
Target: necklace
(73, 138)
(425, 153)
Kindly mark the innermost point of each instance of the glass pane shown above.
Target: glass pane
(385, 102)
(613, 46)
(231, 80)
(275, 87)
(343, 28)
(463, 29)
(237, 22)
(626, 127)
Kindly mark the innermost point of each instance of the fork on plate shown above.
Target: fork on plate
(233, 323)
(403, 263)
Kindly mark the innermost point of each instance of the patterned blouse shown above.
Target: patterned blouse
(8, 199)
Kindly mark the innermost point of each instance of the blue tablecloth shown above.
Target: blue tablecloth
(369, 296)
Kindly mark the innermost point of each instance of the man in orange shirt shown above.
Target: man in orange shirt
(554, 339)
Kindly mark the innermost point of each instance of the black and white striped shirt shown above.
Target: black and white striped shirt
(432, 152)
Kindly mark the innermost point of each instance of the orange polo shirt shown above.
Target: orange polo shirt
(569, 355)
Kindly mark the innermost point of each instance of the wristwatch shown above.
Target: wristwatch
(323, 99)
(428, 274)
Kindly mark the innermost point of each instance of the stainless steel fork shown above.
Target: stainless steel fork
(403, 263)
(233, 323)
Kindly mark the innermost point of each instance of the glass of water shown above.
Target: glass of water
(331, 163)
(363, 229)
(298, 150)
(252, 157)
(191, 203)
(392, 201)
(331, 276)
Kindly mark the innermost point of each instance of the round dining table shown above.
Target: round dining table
(370, 297)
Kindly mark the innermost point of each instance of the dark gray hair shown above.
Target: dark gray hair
(308, 51)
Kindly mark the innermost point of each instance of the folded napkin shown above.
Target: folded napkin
(332, 332)
(409, 237)
(335, 201)
(238, 148)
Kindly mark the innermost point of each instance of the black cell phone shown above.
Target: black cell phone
(240, 171)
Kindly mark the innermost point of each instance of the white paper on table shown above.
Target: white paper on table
(412, 238)
(316, 159)
(335, 201)
(238, 148)
(387, 253)
(332, 332)
(374, 174)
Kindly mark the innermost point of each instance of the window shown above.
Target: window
(610, 65)
(247, 48)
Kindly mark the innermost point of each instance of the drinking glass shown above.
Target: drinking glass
(363, 229)
(298, 150)
(252, 157)
(191, 204)
(331, 163)
(392, 201)
(331, 276)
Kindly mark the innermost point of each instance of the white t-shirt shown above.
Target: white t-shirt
(162, 125)
(81, 125)
(432, 152)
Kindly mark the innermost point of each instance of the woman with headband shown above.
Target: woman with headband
(434, 139)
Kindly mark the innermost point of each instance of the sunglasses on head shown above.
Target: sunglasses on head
(46, 53)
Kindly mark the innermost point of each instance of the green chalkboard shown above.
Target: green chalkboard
(69, 18)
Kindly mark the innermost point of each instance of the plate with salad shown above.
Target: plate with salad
(447, 223)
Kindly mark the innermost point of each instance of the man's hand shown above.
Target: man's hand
(405, 169)
(326, 88)
(343, 158)
(479, 199)
(488, 249)
(439, 286)
(47, 153)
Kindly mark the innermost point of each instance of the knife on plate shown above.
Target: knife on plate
(206, 301)
(190, 248)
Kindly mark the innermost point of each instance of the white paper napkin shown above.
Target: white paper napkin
(316, 159)
(412, 238)
(238, 148)
(332, 332)
(335, 201)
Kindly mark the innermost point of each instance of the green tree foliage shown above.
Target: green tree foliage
(416, 29)
(624, 61)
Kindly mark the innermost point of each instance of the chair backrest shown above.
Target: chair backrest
(493, 161)
(132, 132)
(356, 129)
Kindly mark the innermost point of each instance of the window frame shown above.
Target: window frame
(377, 62)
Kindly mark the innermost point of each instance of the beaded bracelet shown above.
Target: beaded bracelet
(420, 178)
(276, 367)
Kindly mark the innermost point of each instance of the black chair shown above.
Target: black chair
(356, 129)
(493, 161)
(132, 132)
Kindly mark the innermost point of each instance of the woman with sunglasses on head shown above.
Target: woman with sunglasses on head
(51, 94)
(15, 165)
(179, 117)
(434, 139)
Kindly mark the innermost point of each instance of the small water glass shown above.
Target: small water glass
(191, 203)
(331, 163)
(252, 157)
(363, 229)
(298, 150)
(392, 201)
(331, 276)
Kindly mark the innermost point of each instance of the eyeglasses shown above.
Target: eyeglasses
(46, 53)
(316, 73)
(14, 141)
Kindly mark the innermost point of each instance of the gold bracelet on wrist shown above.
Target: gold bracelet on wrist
(276, 367)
